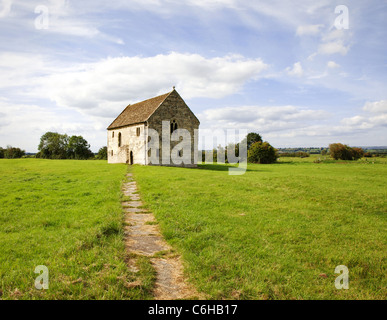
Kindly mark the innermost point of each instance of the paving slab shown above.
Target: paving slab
(145, 239)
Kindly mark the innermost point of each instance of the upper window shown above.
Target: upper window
(138, 132)
(113, 134)
(119, 139)
(173, 126)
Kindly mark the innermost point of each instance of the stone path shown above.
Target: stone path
(143, 238)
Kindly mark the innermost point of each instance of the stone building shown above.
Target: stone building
(154, 130)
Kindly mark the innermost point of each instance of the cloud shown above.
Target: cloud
(5, 8)
(333, 47)
(295, 126)
(22, 125)
(376, 107)
(313, 29)
(98, 91)
(369, 119)
(332, 65)
(110, 84)
(296, 70)
(59, 17)
(264, 119)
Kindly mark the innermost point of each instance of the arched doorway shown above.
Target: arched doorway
(131, 157)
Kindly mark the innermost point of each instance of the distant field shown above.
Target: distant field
(67, 216)
(279, 231)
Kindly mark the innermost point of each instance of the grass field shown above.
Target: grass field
(67, 216)
(277, 232)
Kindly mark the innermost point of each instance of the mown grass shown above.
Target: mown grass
(67, 216)
(277, 232)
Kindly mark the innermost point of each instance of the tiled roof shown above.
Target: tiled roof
(138, 112)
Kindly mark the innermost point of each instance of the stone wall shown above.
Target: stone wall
(174, 108)
(130, 142)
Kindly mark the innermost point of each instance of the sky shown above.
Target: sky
(300, 73)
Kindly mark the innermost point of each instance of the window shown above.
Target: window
(113, 134)
(173, 126)
(138, 132)
(180, 153)
(119, 139)
(112, 153)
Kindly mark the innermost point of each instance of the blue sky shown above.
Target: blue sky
(279, 68)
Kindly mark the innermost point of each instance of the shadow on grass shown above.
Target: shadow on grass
(220, 167)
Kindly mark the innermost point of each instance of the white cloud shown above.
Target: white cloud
(5, 8)
(332, 65)
(22, 125)
(313, 29)
(264, 119)
(296, 70)
(376, 107)
(333, 47)
(101, 87)
(293, 125)
(333, 35)
(369, 120)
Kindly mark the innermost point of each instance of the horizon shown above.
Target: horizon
(306, 74)
(302, 147)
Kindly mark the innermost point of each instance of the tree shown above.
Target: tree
(13, 153)
(357, 153)
(53, 146)
(252, 138)
(102, 154)
(1, 153)
(344, 152)
(261, 152)
(78, 148)
(233, 149)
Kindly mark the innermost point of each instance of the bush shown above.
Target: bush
(262, 152)
(357, 153)
(252, 138)
(102, 154)
(60, 146)
(368, 155)
(13, 153)
(344, 152)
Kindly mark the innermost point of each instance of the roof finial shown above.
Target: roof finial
(173, 87)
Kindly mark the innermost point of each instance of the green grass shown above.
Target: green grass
(67, 216)
(274, 232)
(268, 234)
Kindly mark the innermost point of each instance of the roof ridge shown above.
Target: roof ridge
(168, 93)
(139, 112)
(166, 96)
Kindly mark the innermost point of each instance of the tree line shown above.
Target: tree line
(11, 153)
(258, 151)
(54, 145)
